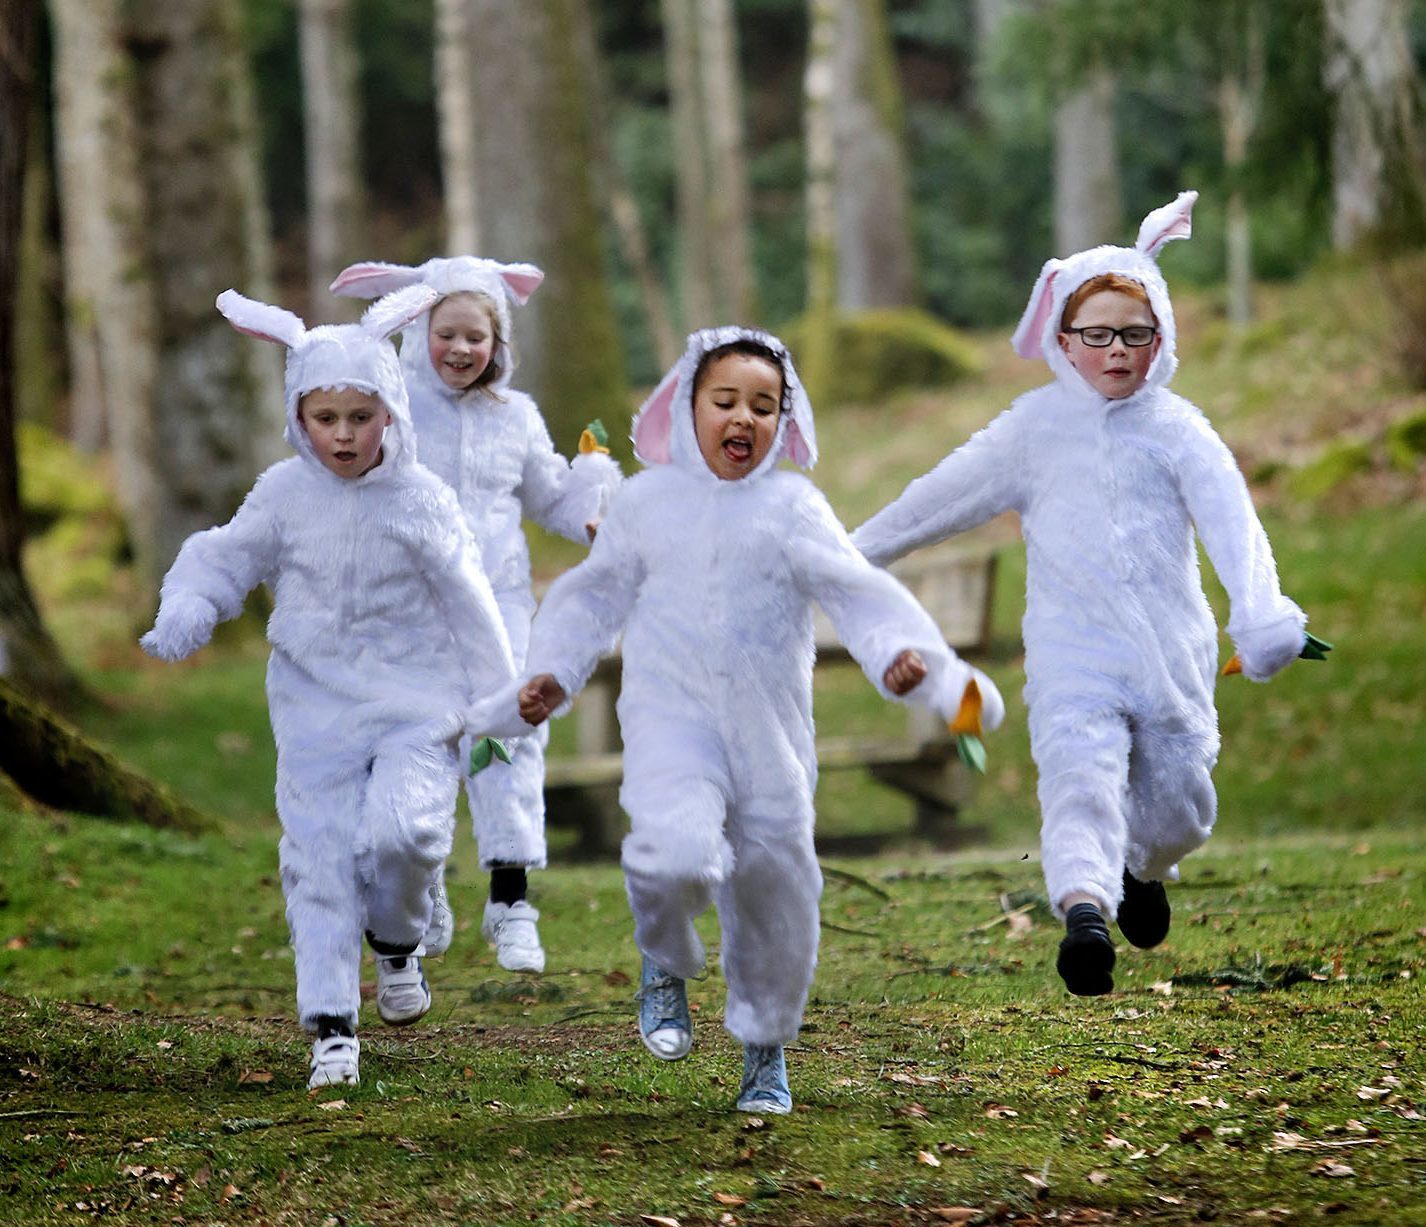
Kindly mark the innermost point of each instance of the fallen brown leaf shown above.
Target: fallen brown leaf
(955, 1214)
(729, 1199)
(926, 1157)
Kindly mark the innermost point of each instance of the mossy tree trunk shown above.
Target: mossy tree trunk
(27, 653)
(46, 760)
(1088, 199)
(690, 143)
(538, 197)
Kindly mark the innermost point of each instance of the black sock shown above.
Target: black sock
(397, 954)
(329, 1025)
(507, 883)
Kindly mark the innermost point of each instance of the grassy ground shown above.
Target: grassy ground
(1262, 1066)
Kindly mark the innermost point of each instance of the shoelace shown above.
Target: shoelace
(662, 993)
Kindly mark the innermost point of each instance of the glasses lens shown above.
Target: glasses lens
(1136, 338)
(1097, 338)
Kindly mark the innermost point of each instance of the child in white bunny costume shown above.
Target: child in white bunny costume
(709, 562)
(489, 443)
(383, 630)
(1111, 474)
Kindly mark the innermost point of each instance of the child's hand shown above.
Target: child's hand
(539, 697)
(184, 624)
(905, 673)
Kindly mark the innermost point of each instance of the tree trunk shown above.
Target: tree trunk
(1239, 91)
(876, 262)
(695, 275)
(28, 655)
(56, 765)
(331, 113)
(624, 210)
(1368, 72)
(819, 132)
(1088, 206)
(109, 292)
(455, 105)
(728, 207)
(534, 154)
(218, 401)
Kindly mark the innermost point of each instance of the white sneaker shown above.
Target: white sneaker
(510, 928)
(402, 995)
(443, 921)
(334, 1062)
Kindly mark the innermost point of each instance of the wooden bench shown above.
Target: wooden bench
(955, 585)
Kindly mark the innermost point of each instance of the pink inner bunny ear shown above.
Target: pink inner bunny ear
(1028, 335)
(260, 319)
(1172, 221)
(796, 448)
(653, 425)
(373, 279)
(522, 280)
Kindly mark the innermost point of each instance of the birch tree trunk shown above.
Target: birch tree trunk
(876, 263)
(1088, 203)
(218, 412)
(330, 112)
(1368, 72)
(820, 137)
(534, 150)
(28, 656)
(110, 308)
(728, 208)
(695, 276)
(1239, 94)
(455, 107)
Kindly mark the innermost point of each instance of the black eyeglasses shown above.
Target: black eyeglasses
(1135, 337)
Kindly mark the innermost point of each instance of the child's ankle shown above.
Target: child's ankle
(508, 883)
(329, 1025)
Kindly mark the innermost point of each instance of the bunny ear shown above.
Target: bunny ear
(392, 313)
(800, 446)
(521, 279)
(1026, 341)
(653, 424)
(260, 319)
(1171, 221)
(373, 279)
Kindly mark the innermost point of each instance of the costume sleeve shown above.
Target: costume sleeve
(976, 482)
(586, 608)
(875, 615)
(450, 561)
(212, 575)
(1266, 627)
(563, 496)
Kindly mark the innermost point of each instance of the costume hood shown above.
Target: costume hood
(1036, 335)
(358, 356)
(446, 275)
(663, 428)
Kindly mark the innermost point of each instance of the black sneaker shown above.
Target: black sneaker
(1144, 913)
(1086, 961)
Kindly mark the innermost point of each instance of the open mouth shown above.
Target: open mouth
(739, 451)
(345, 457)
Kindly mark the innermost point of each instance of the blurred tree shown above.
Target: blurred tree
(28, 656)
(1088, 200)
(695, 238)
(332, 113)
(110, 312)
(1377, 160)
(217, 402)
(533, 160)
(455, 68)
(728, 206)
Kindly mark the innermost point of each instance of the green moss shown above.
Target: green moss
(877, 353)
(1331, 469)
(55, 479)
(1406, 442)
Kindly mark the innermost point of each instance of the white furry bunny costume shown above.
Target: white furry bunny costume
(1120, 643)
(712, 584)
(490, 445)
(383, 628)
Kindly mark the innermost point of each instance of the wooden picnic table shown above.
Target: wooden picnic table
(955, 584)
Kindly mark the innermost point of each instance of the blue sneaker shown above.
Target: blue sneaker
(664, 1022)
(764, 1081)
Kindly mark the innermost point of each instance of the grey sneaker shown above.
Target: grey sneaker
(334, 1062)
(402, 994)
(443, 922)
(511, 929)
(764, 1081)
(665, 1025)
